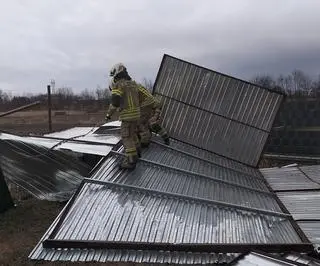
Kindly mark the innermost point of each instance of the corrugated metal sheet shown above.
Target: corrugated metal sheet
(140, 216)
(257, 259)
(122, 214)
(88, 134)
(107, 133)
(89, 145)
(300, 193)
(72, 132)
(312, 230)
(313, 172)
(169, 157)
(50, 175)
(302, 204)
(291, 178)
(216, 112)
(211, 157)
(152, 176)
(302, 259)
(112, 255)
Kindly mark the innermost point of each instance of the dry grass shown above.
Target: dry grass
(36, 122)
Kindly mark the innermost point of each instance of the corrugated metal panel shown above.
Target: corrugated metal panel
(106, 133)
(102, 209)
(139, 216)
(105, 255)
(50, 175)
(256, 259)
(228, 138)
(300, 193)
(165, 179)
(302, 204)
(214, 158)
(197, 166)
(79, 145)
(175, 159)
(87, 134)
(303, 259)
(312, 230)
(290, 178)
(236, 114)
(72, 132)
(312, 171)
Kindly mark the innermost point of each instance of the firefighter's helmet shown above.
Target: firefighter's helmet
(116, 69)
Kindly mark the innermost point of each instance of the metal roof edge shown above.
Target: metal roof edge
(223, 74)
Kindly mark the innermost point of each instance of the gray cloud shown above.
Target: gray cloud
(76, 42)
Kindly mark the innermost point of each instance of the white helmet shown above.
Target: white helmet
(116, 69)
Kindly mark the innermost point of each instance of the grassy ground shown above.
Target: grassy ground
(22, 227)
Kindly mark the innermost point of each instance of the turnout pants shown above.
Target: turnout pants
(130, 140)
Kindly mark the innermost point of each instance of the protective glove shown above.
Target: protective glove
(108, 117)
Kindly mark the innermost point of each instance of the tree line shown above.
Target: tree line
(295, 84)
(63, 97)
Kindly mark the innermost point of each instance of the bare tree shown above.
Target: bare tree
(264, 81)
(148, 84)
(301, 82)
(4, 97)
(285, 82)
(87, 94)
(102, 94)
(64, 93)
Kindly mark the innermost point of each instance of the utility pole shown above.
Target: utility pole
(49, 108)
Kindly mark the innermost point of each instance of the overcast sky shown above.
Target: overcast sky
(77, 41)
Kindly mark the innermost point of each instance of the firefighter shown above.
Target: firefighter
(150, 120)
(125, 97)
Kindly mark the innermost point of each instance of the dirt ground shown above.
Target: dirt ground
(22, 227)
(36, 122)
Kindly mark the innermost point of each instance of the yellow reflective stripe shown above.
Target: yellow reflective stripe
(134, 116)
(149, 101)
(117, 92)
(130, 102)
(144, 91)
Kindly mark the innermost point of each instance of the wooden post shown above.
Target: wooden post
(49, 108)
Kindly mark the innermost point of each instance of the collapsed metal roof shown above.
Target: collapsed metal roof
(159, 204)
(197, 201)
